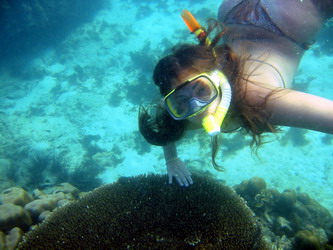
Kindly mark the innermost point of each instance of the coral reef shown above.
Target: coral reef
(233, 143)
(89, 142)
(144, 60)
(15, 195)
(297, 137)
(327, 139)
(12, 239)
(45, 203)
(11, 214)
(291, 220)
(145, 213)
(307, 240)
(19, 210)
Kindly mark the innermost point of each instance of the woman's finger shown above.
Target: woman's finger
(170, 178)
(179, 180)
(184, 180)
(189, 179)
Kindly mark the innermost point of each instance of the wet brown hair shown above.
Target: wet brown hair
(160, 129)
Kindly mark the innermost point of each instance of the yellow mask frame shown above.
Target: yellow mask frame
(212, 78)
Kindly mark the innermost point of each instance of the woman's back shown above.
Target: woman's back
(276, 31)
(296, 20)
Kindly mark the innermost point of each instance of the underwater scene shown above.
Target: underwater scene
(76, 173)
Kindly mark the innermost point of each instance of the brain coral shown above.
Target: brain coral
(146, 213)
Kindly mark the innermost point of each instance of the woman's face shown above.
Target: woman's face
(184, 76)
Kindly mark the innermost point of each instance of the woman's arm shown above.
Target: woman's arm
(170, 152)
(293, 108)
(297, 109)
(176, 167)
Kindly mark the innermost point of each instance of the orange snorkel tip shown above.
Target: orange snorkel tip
(194, 26)
(190, 21)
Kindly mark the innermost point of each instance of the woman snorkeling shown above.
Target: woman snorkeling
(243, 83)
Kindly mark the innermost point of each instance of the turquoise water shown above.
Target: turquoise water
(78, 99)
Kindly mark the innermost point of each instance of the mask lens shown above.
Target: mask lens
(191, 97)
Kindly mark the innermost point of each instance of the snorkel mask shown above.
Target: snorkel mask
(193, 96)
(198, 104)
(196, 94)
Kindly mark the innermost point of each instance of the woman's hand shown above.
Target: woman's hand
(176, 168)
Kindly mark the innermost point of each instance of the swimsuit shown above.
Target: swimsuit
(252, 12)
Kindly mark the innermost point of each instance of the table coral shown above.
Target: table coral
(146, 213)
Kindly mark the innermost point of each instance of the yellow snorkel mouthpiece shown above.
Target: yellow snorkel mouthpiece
(212, 123)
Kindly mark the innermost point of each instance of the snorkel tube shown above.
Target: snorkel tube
(211, 123)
